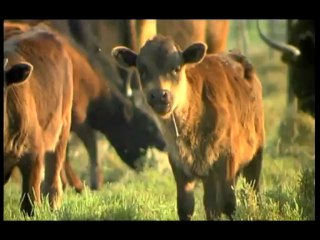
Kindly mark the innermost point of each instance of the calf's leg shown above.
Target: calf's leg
(185, 192)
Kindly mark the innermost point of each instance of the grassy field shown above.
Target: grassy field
(287, 188)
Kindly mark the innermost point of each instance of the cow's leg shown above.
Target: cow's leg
(54, 165)
(25, 166)
(7, 176)
(185, 192)
(211, 197)
(64, 180)
(219, 195)
(32, 170)
(87, 135)
(229, 198)
(252, 171)
(71, 176)
(228, 179)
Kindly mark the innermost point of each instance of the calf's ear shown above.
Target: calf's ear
(18, 73)
(124, 56)
(194, 53)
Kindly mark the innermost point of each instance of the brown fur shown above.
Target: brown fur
(225, 111)
(185, 32)
(12, 28)
(85, 80)
(218, 109)
(38, 113)
(217, 35)
(221, 129)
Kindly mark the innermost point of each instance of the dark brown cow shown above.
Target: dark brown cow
(210, 111)
(99, 105)
(38, 92)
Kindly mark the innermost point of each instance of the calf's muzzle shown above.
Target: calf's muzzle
(160, 101)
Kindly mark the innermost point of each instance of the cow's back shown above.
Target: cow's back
(232, 97)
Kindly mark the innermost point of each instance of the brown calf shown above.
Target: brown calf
(184, 32)
(38, 93)
(210, 111)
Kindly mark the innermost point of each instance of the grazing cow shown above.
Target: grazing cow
(210, 112)
(38, 93)
(98, 105)
(299, 54)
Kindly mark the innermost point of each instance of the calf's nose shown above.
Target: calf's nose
(159, 96)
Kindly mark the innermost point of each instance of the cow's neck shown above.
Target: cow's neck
(186, 115)
(187, 122)
(184, 120)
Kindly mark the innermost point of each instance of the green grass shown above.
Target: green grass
(287, 181)
(151, 195)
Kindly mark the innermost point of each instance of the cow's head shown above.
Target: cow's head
(161, 66)
(138, 134)
(130, 131)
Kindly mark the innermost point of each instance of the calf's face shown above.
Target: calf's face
(161, 66)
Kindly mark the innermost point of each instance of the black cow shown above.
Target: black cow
(299, 54)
